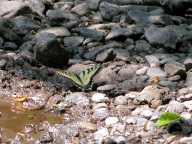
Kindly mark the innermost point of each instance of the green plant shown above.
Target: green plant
(166, 118)
(84, 79)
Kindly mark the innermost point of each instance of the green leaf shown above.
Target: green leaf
(166, 118)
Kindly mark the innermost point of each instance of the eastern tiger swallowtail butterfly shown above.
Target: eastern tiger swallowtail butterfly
(84, 79)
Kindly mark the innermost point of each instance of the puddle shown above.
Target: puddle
(11, 122)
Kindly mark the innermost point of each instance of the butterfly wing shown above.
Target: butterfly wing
(86, 75)
(71, 76)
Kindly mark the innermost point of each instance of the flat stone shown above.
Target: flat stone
(80, 9)
(99, 97)
(173, 68)
(165, 37)
(77, 98)
(120, 100)
(107, 55)
(58, 31)
(156, 71)
(152, 60)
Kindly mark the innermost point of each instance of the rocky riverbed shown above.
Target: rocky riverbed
(144, 49)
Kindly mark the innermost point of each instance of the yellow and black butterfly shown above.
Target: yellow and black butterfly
(83, 80)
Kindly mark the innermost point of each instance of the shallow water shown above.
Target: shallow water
(12, 122)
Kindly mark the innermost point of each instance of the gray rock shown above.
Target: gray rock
(46, 138)
(139, 16)
(187, 63)
(142, 46)
(10, 46)
(93, 4)
(63, 5)
(23, 25)
(7, 32)
(150, 127)
(165, 37)
(81, 9)
(73, 41)
(127, 72)
(61, 17)
(120, 100)
(49, 51)
(175, 68)
(122, 34)
(80, 99)
(156, 71)
(133, 84)
(9, 9)
(58, 31)
(122, 54)
(189, 79)
(90, 33)
(141, 122)
(98, 49)
(1, 42)
(106, 88)
(37, 6)
(144, 111)
(148, 94)
(175, 106)
(142, 70)
(107, 55)
(152, 60)
(3, 62)
(108, 10)
(130, 120)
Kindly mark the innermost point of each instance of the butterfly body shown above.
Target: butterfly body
(83, 80)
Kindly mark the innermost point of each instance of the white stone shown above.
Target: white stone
(188, 105)
(111, 121)
(101, 134)
(186, 115)
(99, 97)
(147, 113)
(142, 71)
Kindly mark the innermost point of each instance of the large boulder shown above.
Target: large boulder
(49, 51)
